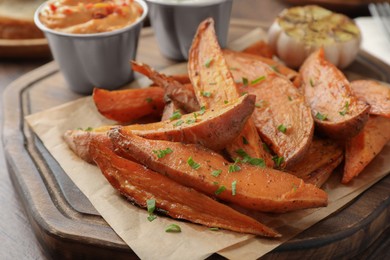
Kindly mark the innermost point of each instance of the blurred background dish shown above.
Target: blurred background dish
(19, 36)
(17, 19)
(352, 8)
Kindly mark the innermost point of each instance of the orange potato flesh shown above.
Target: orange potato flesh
(376, 94)
(257, 188)
(214, 85)
(362, 148)
(213, 128)
(261, 49)
(329, 95)
(279, 104)
(320, 160)
(276, 66)
(139, 184)
(130, 104)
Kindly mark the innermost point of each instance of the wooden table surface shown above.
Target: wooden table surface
(17, 240)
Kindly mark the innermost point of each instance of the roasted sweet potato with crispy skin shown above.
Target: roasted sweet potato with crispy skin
(181, 94)
(129, 104)
(195, 166)
(276, 66)
(323, 156)
(336, 110)
(260, 48)
(78, 141)
(362, 148)
(322, 174)
(214, 128)
(139, 184)
(376, 94)
(281, 116)
(214, 85)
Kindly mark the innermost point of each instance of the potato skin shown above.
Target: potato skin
(337, 112)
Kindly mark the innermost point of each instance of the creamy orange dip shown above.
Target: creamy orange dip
(89, 16)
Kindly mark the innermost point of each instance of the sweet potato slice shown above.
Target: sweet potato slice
(276, 66)
(169, 109)
(139, 184)
(321, 159)
(79, 140)
(214, 128)
(322, 174)
(130, 104)
(376, 94)
(260, 48)
(181, 94)
(362, 148)
(281, 116)
(214, 85)
(182, 78)
(258, 188)
(336, 110)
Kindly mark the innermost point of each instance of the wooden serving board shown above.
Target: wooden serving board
(67, 224)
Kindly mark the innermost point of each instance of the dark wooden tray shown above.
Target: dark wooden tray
(68, 226)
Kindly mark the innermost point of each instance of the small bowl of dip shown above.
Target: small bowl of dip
(175, 23)
(93, 40)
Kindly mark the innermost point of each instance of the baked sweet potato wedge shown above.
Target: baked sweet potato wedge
(376, 94)
(181, 94)
(276, 66)
(323, 156)
(260, 48)
(139, 184)
(214, 128)
(362, 148)
(214, 85)
(79, 140)
(281, 116)
(322, 174)
(129, 104)
(257, 188)
(336, 110)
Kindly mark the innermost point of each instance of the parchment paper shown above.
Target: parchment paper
(149, 239)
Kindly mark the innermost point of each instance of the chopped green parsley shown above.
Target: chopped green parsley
(234, 185)
(151, 206)
(175, 115)
(206, 94)
(194, 165)
(208, 63)
(282, 128)
(345, 110)
(278, 160)
(245, 81)
(173, 228)
(161, 153)
(178, 123)
(216, 173)
(259, 79)
(247, 159)
(321, 117)
(220, 190)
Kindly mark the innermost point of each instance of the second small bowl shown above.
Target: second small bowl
(175, 23)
